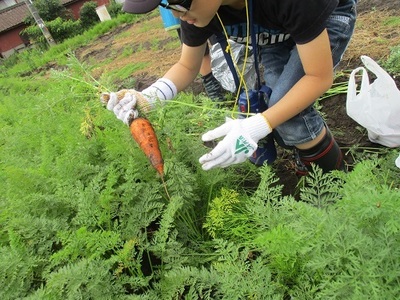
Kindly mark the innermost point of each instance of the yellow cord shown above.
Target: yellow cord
(242, 81)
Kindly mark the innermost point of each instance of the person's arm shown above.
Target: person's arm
(125, 103)
(242, 135)
(187, 68)
(316, 58)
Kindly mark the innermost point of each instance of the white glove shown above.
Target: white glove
(125, 108)
(123, 103)
(240, 142)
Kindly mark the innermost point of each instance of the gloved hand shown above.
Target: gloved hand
(124, 104)
(240, 142)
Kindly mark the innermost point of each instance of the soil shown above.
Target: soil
(370, 38)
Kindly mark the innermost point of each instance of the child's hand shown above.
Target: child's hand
(240, 142)
(124, 104)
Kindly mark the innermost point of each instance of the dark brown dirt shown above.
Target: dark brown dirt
(371, 38)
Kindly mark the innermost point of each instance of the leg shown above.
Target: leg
(211, 85)
(326, 154)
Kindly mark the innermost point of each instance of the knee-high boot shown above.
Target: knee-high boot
(326, 154)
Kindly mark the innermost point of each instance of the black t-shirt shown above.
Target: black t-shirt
(275, 21)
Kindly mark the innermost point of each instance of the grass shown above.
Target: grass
(148, 26)
(126, 71)
(392, 22)
(31, 59)
(128, 51)
(375, 35)
(174, 44)
(392, 64)
(122, 35)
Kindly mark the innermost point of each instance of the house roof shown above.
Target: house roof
(15, 15)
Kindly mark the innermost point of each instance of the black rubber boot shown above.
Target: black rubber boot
(326, 154)
(213, 88)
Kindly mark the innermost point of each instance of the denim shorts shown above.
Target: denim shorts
(283, 68)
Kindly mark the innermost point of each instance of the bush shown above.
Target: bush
(88, 14)
(59, 29)
(114, 9)
(63, 29)
(49, 10)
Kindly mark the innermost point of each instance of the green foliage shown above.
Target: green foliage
(28, 61)
(126, 71)
(320, 189)
(35, 36)
(59, 29)
(220, 210)
(82, 280)
(19, 267)
(49, 10)
(114, 9)
(88, 14)
(84, 243)
(84, 216)
(392, 21)
(392, 64)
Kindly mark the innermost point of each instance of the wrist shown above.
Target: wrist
(257, 126)
(161, 90)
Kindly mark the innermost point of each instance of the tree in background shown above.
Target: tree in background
(88, 14)
(58, 19)
(114, 8)
(49, 10)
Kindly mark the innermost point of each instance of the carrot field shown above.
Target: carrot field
(84, 215)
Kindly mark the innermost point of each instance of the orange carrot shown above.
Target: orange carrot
(143, 133)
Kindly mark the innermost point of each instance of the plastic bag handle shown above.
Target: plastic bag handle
(352, 87)
(379, 72)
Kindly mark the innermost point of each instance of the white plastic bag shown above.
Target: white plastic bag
(376, 106)
(397, 162)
